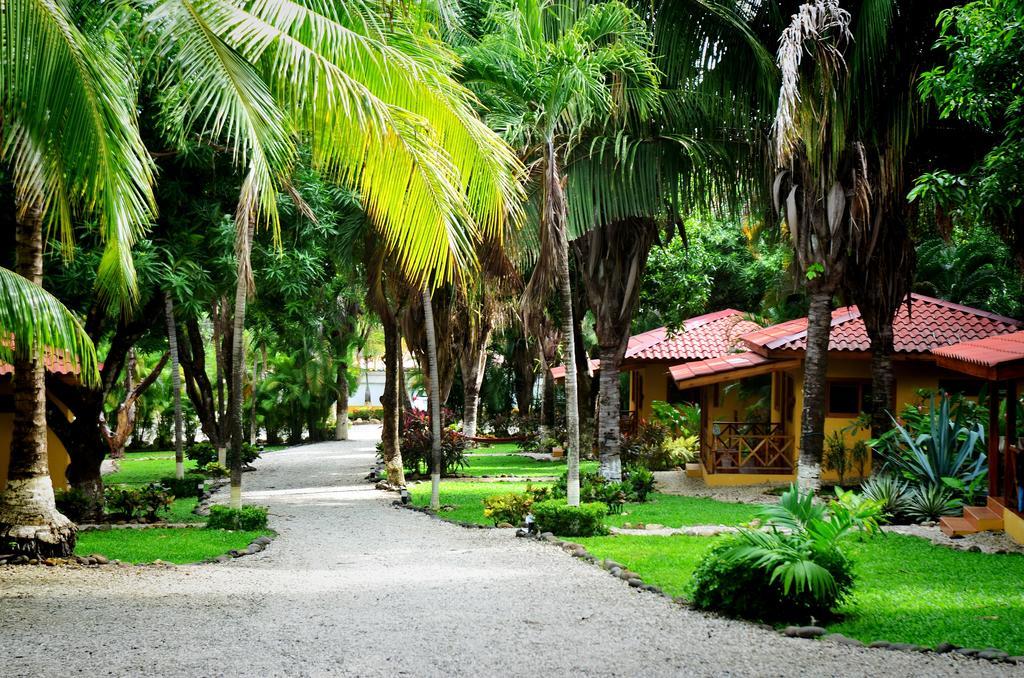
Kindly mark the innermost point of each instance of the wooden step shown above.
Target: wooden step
(995, 504)
(983, 518)
(956, 527)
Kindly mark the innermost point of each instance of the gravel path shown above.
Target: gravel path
(354, 586)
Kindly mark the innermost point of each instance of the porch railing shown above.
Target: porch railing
(747, 447)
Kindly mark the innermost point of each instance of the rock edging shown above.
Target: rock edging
(433, 514)
(255, 546)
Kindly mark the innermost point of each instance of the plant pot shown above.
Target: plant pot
(557, 452)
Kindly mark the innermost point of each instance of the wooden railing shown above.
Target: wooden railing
(747, 447)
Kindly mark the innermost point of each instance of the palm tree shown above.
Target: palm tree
(434, 395)
(373, 100)
(548, 73)
(55, 78)
(172, 342)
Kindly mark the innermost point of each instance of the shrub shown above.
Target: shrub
(508, 425)
(74, 504)
(202, 453)
(585, 520)
(131, 504)
(931, 502)
(508, 508)
(191, 485)
(534, 440)
(244, 518)
(646, 447)
(890, 492)
(364, 412)
(791, 569)
(417, 441)
(215, 470)
(640, 481)
(682, 451)
(683, 419)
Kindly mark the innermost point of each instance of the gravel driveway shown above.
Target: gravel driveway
(353, 586)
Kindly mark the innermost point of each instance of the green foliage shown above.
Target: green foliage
(974, 267)
(508, 508)
(585, 520)
(364, 412)
(464, 502)
(947, 448)
(417, 445)
(646, 447)
(143, 503)
(204, 453)
(679, 511)
(891, 492)
(841, 459)
(640, 482)
(215, 470)
(244, 518)
(191, 485)
(931, 502)
(793, 568)
(682, 419)
(73, 503)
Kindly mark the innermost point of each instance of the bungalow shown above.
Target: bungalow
(757, 442)
(58, 456)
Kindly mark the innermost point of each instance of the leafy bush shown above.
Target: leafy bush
(417, 442)
(191, 485)
(585, 520)
(682, 451)
(364, 412)
(890, 492)
(244, 518)
(646, 447)
(133, 504)
(682, 419)
(201, 453)
(947, 449)
(508, 508)
(640, 481)
(508, 425)
(74, 503)
(791, 569)
(931, 502)
(215, 470)
(538, 442)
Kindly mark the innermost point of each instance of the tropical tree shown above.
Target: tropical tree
(55, 77)
(373, 100)
(548, 73)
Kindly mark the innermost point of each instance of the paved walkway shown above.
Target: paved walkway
(355, 587)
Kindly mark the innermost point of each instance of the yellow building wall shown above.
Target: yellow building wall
(59, 458)
(655, 387)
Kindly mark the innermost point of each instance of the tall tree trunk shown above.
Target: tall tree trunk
(882, 378)
(172, 341)
(29, 520)
(525, 376)
(341, 407)
(584, 380)
(366, 372)
(473, 364)
(812, 419)
(547, 396)
(435, 403)
(124, 418)
(236, 393)
(256, 374)
(608, 414)
(389, 401)
(557, 213)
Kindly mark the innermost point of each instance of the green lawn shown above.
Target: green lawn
(181, 512)
(144, 471)
(497, 448)
(467, 498)
(515, 465)
(181, 545)
(674, 511)
(907, 590)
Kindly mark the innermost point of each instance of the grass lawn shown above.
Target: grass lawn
(514, 465)
(676, 511)
(497, 448)
(667, 562)
(144, 471)
(181, 545)
(467, 498)
(907, 589)
(181, 512)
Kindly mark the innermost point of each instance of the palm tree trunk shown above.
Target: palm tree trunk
(341, 407)
(547, 396)
(608, 415)
(473, 364)
(556, 212)
(236, 394)
(882, 378)
(172, 340)
(389, 401)
(29, 520)
(435, 403)
(812, 419)
(252, 405)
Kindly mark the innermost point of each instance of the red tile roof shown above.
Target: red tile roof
(706, 336)
(55, 364)
(989, 352)
(558, 371)
(931, 323)
(725, 363)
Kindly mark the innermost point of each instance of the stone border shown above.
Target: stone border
(433, 514)
(255, 546)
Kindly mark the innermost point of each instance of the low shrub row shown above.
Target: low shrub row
(246, 518)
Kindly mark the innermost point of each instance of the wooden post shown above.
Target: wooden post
(994, 486)
(1009, 481)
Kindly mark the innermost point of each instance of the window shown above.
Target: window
(848, 398)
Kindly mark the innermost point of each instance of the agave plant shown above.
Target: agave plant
(890, 491)
(931, 502)
(948, 449)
